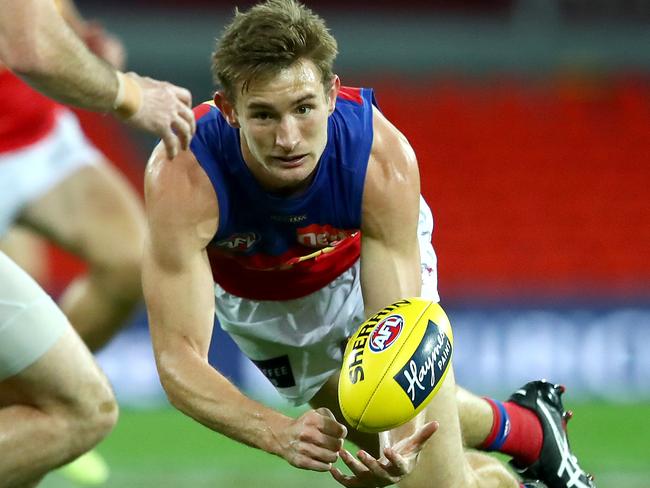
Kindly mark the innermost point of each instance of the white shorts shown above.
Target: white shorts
(298, 344)
(30, 321)
(29, 172)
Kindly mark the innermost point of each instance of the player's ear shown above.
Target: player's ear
(227, 109)
(333, 92)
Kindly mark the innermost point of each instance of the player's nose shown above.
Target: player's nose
(287, 135)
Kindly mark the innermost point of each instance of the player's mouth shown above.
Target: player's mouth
(289, 161)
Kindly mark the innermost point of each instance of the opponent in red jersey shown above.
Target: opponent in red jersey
(55, 403)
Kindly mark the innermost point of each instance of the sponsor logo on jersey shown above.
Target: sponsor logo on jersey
(319, 236)
(385, 333)
(239, 242)
(424, 369)
(277, 370)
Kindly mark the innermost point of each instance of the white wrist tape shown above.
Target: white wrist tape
(129, 96)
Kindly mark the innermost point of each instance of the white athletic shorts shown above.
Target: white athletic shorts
(30, 321)
(29, 172)
(298, 344)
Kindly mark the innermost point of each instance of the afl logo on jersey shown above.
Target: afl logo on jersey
(239, 242)
(386, 333)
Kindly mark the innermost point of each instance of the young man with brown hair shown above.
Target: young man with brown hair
(302, 202)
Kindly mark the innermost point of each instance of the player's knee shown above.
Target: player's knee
(92, 417)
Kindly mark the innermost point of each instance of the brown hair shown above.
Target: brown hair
(268, 38)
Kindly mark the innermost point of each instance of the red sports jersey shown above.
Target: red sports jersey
(25, 115)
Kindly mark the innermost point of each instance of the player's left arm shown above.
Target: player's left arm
(390, 270)
(390, 255)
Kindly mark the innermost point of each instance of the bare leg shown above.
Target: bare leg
(443, 462)
(475, 417)
(97, 216)
(27, 250)
(486, 469)
(52, 411)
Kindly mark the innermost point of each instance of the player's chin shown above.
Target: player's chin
(292, 177)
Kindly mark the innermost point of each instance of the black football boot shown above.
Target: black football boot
(556, 467)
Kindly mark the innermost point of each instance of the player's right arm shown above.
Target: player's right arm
(39, 46)
(182, 215)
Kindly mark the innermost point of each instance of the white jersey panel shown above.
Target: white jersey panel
(31, 171)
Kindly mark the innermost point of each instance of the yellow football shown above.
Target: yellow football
(395, 364)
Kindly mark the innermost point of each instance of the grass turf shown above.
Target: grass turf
(164, 449)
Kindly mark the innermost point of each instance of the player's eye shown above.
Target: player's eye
(262, 115)
(304, 109)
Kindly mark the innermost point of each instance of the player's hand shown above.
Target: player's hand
(166, 111)
(313, 440)
(397, 461)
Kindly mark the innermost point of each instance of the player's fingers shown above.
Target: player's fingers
(417, 440)
(171, 143)
(356, 466)
(183, 132)
(321, 454)
(345, 480)
(325, 412)
(183, 95)
(383, 471)
(307, 462)
(329, 425)
(395, 464)
(188, 115)
(317, 438)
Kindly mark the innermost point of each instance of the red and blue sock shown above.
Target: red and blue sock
(516, 431)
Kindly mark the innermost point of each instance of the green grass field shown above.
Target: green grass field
(164, 449)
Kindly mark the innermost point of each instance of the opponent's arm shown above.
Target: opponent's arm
(99, 41)
(390, 270)
(38, 45)
(182, 218)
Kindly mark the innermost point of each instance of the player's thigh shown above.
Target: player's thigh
(442, 461)
(64, 377)
(42, 359)
(30, 322)
(27, 250)
(94, 213)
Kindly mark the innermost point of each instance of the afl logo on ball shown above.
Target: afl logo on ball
(386, 333)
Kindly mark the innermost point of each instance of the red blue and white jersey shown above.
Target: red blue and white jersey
(274, 248)
(26, 116)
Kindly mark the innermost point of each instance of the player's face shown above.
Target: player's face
(283, 126)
